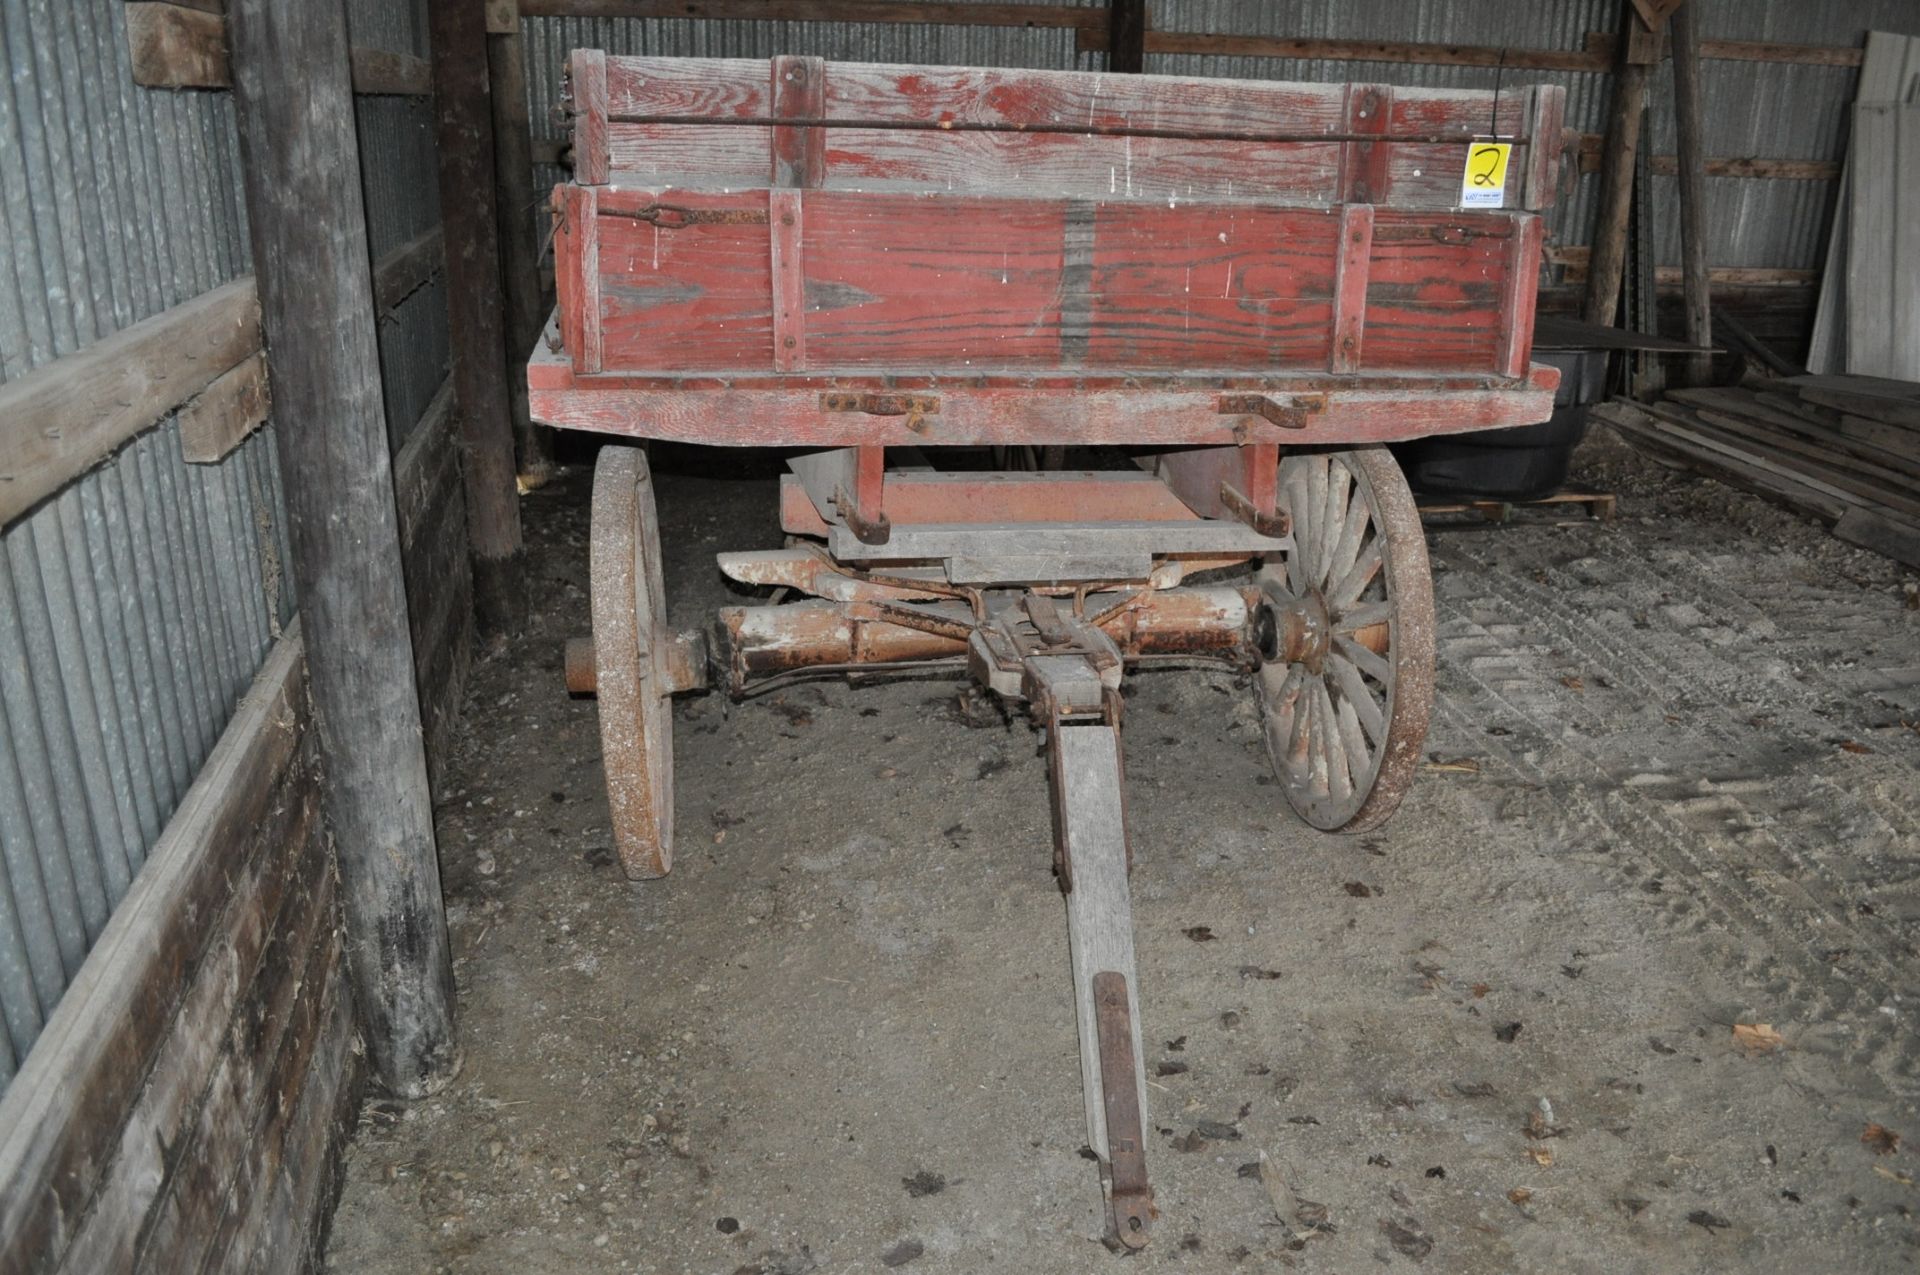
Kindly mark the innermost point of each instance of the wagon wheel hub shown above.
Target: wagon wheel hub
(1303, 632)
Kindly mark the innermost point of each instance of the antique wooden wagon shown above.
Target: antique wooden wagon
(1227, 293)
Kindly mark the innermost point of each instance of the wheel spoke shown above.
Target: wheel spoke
(1333, 523)
(1372, 665)
(1353, 690)
(1315, 504)
(1333, 748)
(1359, 756)
(1357, 577)
(1364, 616)
(1298, 564)
(1347, 547)
(1293, 718)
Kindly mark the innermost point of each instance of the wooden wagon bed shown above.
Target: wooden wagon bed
(842, 258)
(808, 253)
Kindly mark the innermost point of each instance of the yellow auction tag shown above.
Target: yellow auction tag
(1484, 183)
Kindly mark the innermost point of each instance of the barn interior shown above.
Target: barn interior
(479, 793)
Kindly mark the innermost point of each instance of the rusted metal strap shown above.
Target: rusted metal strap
(1130, 1202)
(1288, 415)
(677, 217)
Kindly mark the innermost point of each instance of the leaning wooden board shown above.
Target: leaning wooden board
(777, 252)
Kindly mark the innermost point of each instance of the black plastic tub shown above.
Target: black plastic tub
(1523, 463)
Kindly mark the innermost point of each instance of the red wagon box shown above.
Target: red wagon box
(1239, 289)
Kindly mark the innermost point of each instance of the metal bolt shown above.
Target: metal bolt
(788, 342)
(786, 219)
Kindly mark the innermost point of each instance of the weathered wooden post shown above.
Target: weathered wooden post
(1639, 49)
(1127, 36)
(301, 167)
(519, 244)
(476, 309)
(1691, 158)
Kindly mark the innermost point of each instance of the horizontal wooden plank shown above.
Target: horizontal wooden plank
(63, 1113)
(1058, 16)
(1573, 258)
(418, 468)
(313, 1117)
(1816, 170)
(1324, 50)
(248, 1087)
(708, 122)
(1587, 147)
(173, 46)
(1036, 409)
(973, 282)
(403, 270)
(220, 417)
(61, 420)
(1885, 535)
(433, 544)
(1595, 56)
(244, 980)
(1602, 43)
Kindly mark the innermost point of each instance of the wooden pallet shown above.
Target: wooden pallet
(1599, 504)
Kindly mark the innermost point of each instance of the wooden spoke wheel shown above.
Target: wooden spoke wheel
(1348, 624)
(630, 651)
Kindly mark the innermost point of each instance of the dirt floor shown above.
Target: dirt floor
(1673, 790)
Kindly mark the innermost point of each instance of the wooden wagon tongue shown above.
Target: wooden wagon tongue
(1068, 673)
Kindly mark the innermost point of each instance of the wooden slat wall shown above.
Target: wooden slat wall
(433, 549)
(185, 1107)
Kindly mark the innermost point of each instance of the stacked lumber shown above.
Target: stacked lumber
(1843, 449)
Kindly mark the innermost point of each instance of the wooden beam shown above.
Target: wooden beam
(476, 306)
(1127, 36)
(893, 11)
(1574, 258)
(176, 46)
(1689, 126)
(61, 420)
(62, 1116)
(1600, 42)
(1587, 146)
(516, 206)
(221, 416)
(301, 167)
(1596, 56)
(1624, 114)
(404, 270)
(1263, 46)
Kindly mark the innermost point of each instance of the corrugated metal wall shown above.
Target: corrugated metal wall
(1771, 110)
(136, 605)
(403, 200)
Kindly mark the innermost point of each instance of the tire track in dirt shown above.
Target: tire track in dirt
(1748, 851)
